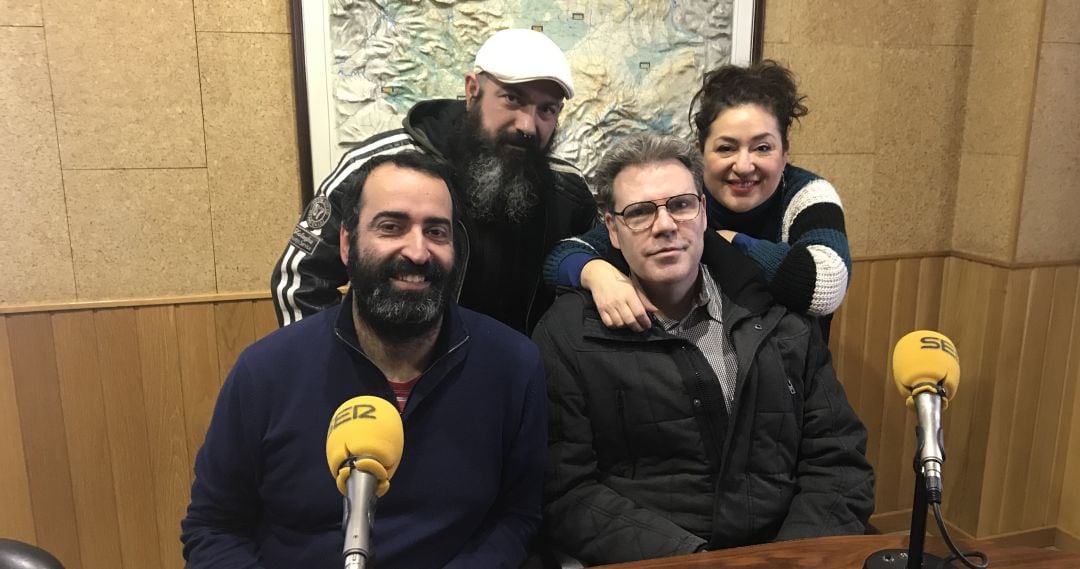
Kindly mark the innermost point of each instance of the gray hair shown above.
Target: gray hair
(642, 149)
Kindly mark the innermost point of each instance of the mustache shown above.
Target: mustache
(519, 139)
(401, 267)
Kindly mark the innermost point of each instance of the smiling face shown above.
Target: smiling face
(666, 254)
(401, 254)
(744, 157)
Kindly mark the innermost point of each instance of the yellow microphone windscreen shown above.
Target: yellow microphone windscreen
(368, 428)
(924, 360)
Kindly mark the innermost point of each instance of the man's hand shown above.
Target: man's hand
(618, 300)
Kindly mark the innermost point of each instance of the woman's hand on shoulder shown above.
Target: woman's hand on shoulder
(620, 303)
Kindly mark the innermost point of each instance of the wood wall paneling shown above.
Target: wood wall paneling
(876, 352)
(1029, 382)
(235, 331)
(136, 496)
(1003, 376)
(1069, 504)
(88, 447)
(18, 519)
(265, 319)
(1049, 424)
(972, 318)
(200, 375)
(37, 389)
(158, 354)
(126, 394)
(891, 461)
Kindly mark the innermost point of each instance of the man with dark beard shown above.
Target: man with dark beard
(517, 199)
(471, 392)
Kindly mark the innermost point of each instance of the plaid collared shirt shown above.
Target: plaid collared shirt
(703, 327)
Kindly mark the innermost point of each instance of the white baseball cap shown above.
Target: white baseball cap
(521, 55)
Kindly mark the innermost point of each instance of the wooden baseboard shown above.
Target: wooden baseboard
(1038, 537)
(899, 521)
(1066, 541)
(892, 522)
(136, 302)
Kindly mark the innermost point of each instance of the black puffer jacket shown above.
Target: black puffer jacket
(644, 460)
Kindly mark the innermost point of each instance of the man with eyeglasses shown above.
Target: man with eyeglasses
(723, 424)
(517, 199)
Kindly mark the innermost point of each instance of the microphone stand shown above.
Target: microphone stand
(913, 557)
(359, 511)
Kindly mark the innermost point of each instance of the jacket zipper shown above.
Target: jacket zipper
(620, 408)
(434, 362)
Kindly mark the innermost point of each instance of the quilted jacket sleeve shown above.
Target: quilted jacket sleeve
(836, 482)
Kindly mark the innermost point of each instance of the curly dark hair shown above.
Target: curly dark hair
(766, 83)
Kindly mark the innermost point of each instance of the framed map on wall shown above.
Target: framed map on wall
(361, 64)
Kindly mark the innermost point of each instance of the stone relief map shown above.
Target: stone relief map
(636, 64)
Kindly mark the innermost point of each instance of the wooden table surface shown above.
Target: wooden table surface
(846, 552)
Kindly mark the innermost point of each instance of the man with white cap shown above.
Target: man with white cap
(516, 198)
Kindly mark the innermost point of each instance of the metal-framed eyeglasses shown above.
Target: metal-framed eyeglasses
(641, 215)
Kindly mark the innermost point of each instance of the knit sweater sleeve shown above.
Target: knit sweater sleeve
(808, 270)
(563, 265)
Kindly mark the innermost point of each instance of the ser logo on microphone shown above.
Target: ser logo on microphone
(361, 411)
(936, 343)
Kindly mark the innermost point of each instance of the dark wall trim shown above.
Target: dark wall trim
(303, 126)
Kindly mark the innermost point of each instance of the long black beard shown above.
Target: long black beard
(501, 182)
(395, 315)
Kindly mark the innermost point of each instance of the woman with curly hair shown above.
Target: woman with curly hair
(788, 220)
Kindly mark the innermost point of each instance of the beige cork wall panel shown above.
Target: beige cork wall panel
(927, 22)
(841, 83)
(126, 83)
(830, 23)
(1002, 77)
(852, 175)
(140, 233)
(20, 13)
(268, 16)
(251, 152)
(36, 244)
(1062, 22)
(1048, 230)
(778, 22)
(919, 118)
(987, 205)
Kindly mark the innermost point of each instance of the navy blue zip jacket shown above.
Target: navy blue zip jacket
(469, 487)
